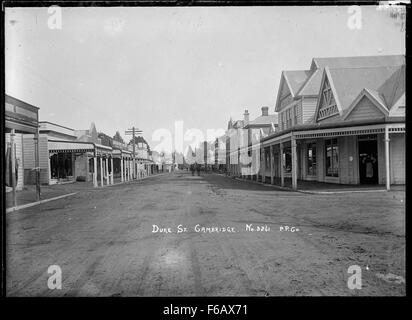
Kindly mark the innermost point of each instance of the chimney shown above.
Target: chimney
(246, 117)
(265, 111)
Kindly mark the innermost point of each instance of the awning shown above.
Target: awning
(68, 146)
(119, 152)
(100, 146)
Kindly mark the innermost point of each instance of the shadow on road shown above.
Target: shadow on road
(221, 182)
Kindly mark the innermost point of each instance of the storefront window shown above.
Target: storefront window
(61, 165)
(91, 165)
(287, 158)
(267, 158)
(332, 158)
(311, 159)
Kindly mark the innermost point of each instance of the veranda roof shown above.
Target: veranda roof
(69, 146)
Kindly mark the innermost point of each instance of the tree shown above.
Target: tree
(396, 12)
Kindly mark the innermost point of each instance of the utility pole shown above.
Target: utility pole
(37, 163)
(205, 154)
(133, 132)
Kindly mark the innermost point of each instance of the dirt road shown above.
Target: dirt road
(104, 243)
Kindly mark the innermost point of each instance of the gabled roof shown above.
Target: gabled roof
(264, 120)
(313, 82)
(377, 96)
(373, 96)
(360, 61)
(311, 86)
(349, 82)
(381, 78)
(394, 87)
(295, 79)
(238, 124)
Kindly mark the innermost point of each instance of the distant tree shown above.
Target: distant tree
(117, 137)
(396, 12)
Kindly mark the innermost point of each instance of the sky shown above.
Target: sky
(151, 67)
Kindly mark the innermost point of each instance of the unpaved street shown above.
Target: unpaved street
(103, 241)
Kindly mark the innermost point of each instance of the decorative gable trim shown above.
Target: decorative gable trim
(365, 93)
(273, 128)
(283, 81)
(262, 134)
(329, 95)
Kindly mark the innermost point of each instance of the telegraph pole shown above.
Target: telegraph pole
(37, 163)
(13, 165)
(133, 132)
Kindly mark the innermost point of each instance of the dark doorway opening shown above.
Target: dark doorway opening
(61, 165)
(368, 162)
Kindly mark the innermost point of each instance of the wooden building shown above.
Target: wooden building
(67, 155)
(243, 143)
(342, 121)
(21, 120)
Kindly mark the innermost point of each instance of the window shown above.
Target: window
(311, 159)
(267, 158)
(287, 160)
(295, 111)
(91, 165)
(288, 118)
(332, 158)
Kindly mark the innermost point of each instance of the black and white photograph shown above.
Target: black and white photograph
(204, 151)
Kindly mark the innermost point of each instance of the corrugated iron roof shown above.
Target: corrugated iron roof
(264, 120)
(360, 61)
(313, 81)
(349, 82)
(296, 79)
(311, 87)
(394, 87)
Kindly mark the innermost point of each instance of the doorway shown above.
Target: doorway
(61, 166)
(368, 161)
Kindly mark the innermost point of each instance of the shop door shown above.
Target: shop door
(368, 162)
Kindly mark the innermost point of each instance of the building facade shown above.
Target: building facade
(243, 143)
(68, 155)
(21, 121)
(351, 132)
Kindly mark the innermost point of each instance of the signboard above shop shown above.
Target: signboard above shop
(21, 116)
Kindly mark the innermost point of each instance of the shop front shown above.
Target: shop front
(358, 155)
(21, 120)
